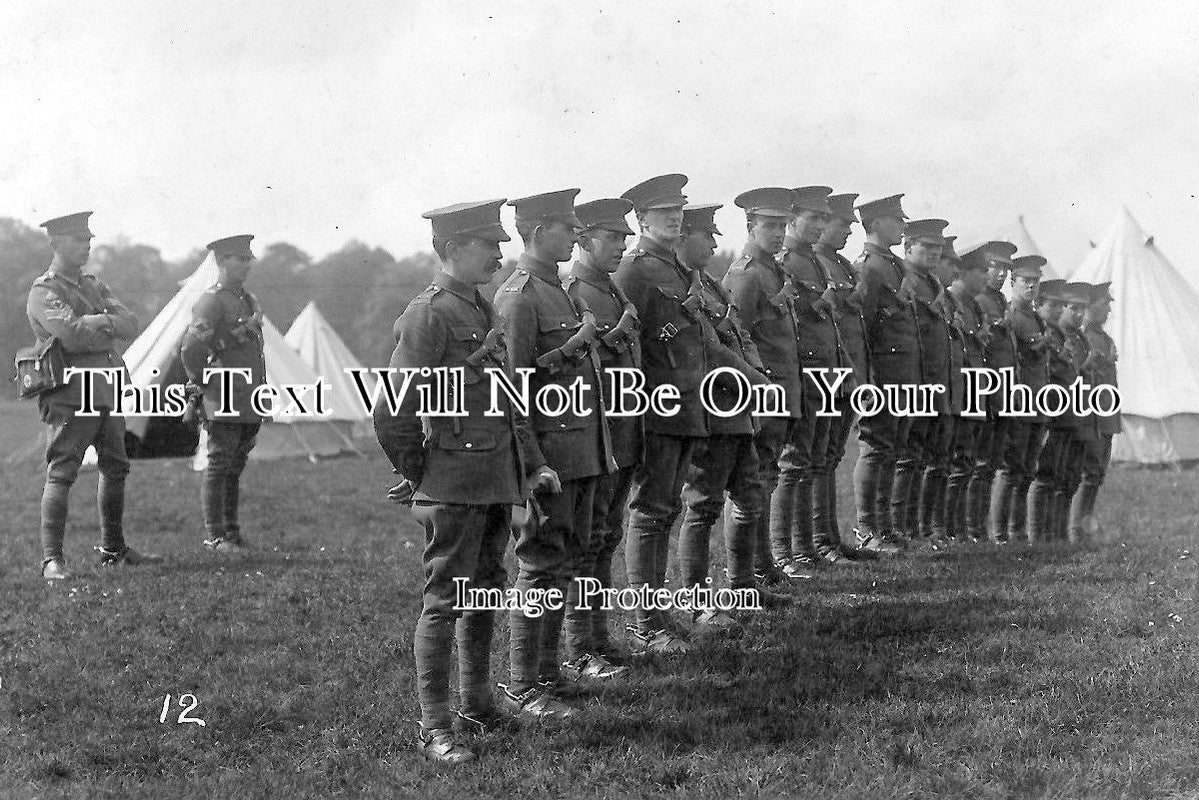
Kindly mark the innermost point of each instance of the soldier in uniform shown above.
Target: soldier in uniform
(590, 284)
(969, 278)
(1101, 367)
(726, 460)
(764, 296)
(1043, 517)
(679, 346)
(82, 313)
(919, 484)
(931, 499)
(1001, 354)
(792, 510)
(546, 330)
(463, 476)
(894, 345)
(226, 332)
(851, 353)
(1009, 496)
(1083, 444)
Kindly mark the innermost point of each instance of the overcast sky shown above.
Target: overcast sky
(316, 122)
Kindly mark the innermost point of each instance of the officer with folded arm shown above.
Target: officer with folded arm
(87, 320)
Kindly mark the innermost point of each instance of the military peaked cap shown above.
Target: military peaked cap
(884, 207)
(770, 201)
(231, 246)
(608, 214)
(480, 218)
(1052, 289)
(70, 225)
(841, 205)
(1027, 266)
(926, 230)
(812, 198)
(701, 217)
(556, 206)
(664, 191)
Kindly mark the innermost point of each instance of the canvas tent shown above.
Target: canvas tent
(1155, 323)
(314, 339)
(153, 358)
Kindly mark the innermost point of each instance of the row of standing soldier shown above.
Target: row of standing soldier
(790, 302)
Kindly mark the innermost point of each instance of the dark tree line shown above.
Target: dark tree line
(359, 289)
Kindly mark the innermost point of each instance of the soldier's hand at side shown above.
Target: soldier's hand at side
(546, 478)
(401, 493)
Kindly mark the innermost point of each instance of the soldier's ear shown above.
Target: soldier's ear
(452, 246)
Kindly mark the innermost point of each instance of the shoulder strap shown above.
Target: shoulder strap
(64, 286)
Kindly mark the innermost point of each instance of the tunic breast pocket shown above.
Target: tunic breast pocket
(464, 341)
(466, 441)
(668, 306)
(554, 329)
(776, 318)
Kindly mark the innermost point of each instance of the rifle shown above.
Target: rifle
(622, 333)
(694, 304)
(826, 304)
(573, 348)
(492, 344)
(787, 294)
(726, 329)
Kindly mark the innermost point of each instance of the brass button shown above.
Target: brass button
(468, 445)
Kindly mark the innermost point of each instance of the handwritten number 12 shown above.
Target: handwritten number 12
(186, 706)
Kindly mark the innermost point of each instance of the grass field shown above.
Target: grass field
(986, 673)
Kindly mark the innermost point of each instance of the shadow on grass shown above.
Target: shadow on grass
(790, 679)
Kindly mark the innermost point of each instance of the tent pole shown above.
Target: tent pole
(349, 442)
